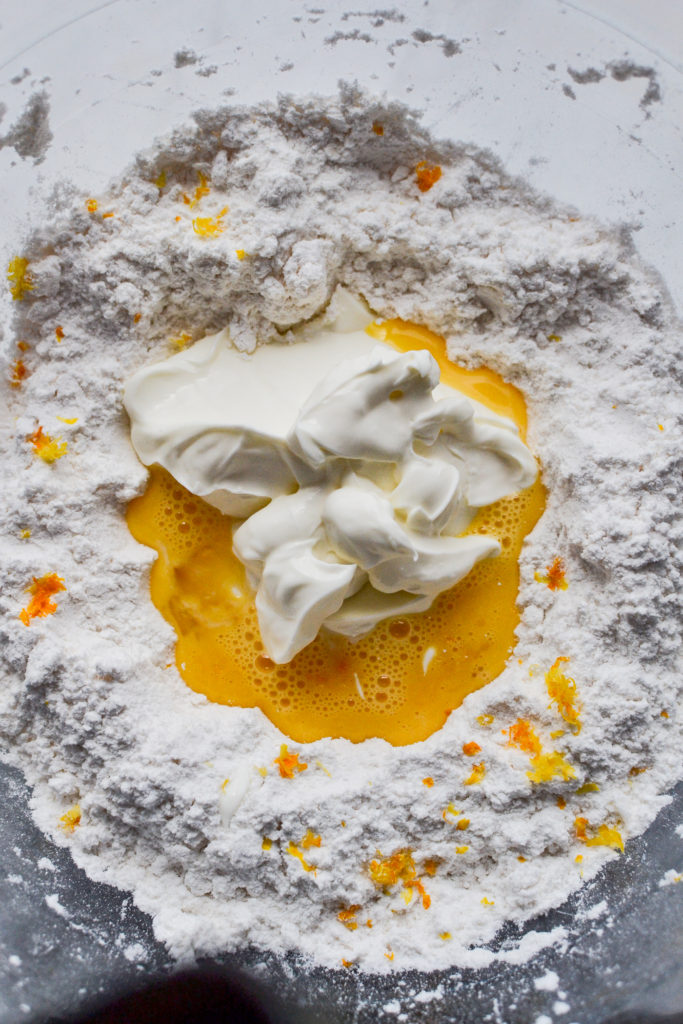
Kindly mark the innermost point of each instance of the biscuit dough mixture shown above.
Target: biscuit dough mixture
(386, 857)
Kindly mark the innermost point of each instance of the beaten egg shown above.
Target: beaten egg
(402, 680)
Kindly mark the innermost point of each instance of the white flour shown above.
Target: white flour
(91, 707)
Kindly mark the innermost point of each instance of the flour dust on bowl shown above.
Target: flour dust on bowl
(379, 652)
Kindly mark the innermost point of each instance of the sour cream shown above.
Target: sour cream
(355, 471)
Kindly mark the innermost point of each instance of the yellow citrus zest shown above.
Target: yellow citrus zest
(45, 447)
(201, 190)
(603, 835)
(562, 691)
(208, 227)
(294, 851)
(19, 277)
(546, 767)
(399, 868)
(182, 340)
(71, 819)
(310, 839)
(476, 775)
(449, 810)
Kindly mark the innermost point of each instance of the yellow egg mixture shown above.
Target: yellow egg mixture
(402, 680)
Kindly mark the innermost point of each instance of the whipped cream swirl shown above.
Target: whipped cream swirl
(355, 471)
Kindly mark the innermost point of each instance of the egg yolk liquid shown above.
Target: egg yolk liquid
(402, 680)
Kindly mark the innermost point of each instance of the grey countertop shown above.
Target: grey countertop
(65, 940)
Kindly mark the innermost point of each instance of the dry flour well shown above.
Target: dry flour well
(249, 218)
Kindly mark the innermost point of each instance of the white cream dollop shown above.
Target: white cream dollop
(353, 469)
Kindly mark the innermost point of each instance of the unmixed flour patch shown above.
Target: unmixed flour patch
(248, 219)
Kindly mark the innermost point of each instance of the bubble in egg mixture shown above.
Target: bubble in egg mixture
(401, 681)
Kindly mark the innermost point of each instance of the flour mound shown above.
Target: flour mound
(92, 707)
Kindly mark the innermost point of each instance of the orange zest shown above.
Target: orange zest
(477, 774)
(42, 590)
(289, 763)
(427, 175)
(377, 128)
(347, 916)
(523, 736)
(59, 333)
(554, 577)
(428, 782)
(45, 447)
(91, 205)
(544, 766)
(562, 692)
(399, 868)
(603, 835)
(471, 748)
(19, 373)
